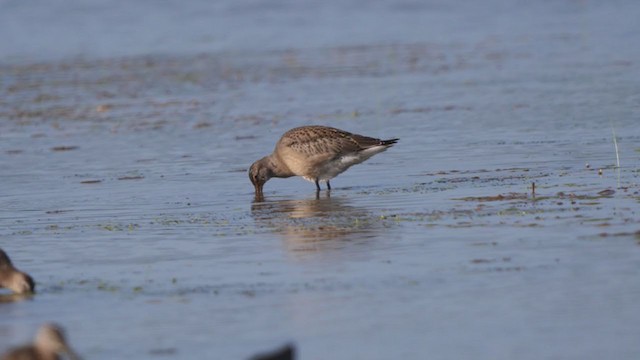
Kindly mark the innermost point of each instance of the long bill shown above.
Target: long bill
(259, 194)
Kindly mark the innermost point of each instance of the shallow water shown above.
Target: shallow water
(125, 192)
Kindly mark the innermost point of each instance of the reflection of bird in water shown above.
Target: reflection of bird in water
(287, 352)
(317, 153)
(12, 278)
(311, 225)
(49, 344)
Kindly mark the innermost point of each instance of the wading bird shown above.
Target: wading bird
(317, 153)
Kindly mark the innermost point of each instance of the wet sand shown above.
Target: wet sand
(125, 193)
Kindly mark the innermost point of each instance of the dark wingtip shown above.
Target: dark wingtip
(389, 142)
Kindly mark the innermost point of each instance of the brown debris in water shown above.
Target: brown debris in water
(202, 125)
(64, 148)
(634, 234)
(499, 197)
(103, 108)
(481, 261)
(245, 137)
(57, 211)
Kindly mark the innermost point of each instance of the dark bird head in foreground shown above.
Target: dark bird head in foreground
(14, 279)
(287, 352)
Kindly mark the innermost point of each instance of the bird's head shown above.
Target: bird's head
(52, 338)
(259, 174)
(21, 283)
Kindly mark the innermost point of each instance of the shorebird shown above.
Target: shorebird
(49, 344)
(12, 278)
(317, 153)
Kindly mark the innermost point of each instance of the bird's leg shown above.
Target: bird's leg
(328, 185)
(317, 185)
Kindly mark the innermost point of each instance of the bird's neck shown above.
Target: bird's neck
(277, 166)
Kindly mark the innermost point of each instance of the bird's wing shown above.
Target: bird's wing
(317, 140)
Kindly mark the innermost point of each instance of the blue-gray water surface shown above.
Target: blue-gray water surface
(504, 224)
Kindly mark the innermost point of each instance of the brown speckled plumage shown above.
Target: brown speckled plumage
(317, 153)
